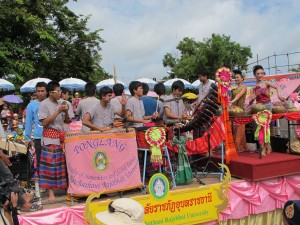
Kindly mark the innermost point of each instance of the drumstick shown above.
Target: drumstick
(195, 110)
(157, 103)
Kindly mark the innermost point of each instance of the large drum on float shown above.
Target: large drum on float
(278, 109)
(140, 137)
(258, 107)
(294, 109)
(236, 111)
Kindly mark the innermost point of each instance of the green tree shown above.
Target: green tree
(43, 38)
(210, 54)
(295, 70)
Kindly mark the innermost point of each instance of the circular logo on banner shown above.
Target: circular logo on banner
(100, 160)
(159, 186)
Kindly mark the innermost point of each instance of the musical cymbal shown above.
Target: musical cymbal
(173, 99)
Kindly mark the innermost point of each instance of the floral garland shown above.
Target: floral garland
(155, 137)
(244, 73)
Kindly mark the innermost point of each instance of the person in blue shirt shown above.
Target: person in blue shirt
(32, 120)
(150, 104)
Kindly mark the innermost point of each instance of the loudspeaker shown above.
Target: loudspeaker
(279, 144)
(250, 130)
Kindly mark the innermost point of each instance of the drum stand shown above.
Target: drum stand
(209, 161)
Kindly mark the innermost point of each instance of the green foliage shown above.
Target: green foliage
(210, 54)
(295, 70)
(43, 38)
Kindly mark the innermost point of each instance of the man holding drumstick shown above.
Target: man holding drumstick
(101, 115)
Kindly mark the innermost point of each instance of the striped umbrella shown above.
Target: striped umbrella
(29, 86)
(168, 83)
(148, 81)
(110, 83)
(6, 85)
(73, 84)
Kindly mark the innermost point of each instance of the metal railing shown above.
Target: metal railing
(277, 63)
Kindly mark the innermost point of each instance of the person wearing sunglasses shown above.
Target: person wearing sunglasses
(53, 113)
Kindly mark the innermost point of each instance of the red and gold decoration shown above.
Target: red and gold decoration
(223, 76)
(155, 137)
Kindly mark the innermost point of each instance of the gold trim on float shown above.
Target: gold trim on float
(120, 133)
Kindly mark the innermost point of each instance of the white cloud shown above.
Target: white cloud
(139, 33)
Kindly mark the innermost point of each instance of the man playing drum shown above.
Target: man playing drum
(135, 111)
(173, 105)
(101, 115)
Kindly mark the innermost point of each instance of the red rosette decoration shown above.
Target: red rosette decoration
(223, 78)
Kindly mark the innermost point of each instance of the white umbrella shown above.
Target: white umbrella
(196, 83)
(148, 81)
(6, 85)
(127, 92)
(110, 83)
(168, 83)
(29, 86)
(73, 84)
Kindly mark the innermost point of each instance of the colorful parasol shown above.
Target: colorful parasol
(155, 137)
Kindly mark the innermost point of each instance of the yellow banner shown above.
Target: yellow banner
(187, 206)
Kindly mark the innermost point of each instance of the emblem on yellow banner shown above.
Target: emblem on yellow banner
(159, 186)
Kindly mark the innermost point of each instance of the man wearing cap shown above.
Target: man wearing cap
(188, 100)
(32, 119)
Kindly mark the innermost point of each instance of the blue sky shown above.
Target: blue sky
(138, 34)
